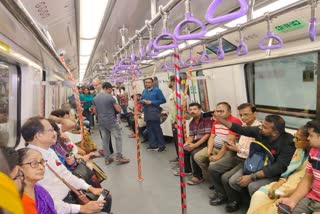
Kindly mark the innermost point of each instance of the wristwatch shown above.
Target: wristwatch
(210, 154)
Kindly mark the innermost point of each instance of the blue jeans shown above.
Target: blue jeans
(155, 135)
(115, 132)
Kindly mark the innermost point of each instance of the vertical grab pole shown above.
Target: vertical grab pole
(180, 134)
(184, 105)
(135, 114)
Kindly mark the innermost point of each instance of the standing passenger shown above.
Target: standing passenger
(86, 98)
(123, 100)
(107, 109)
(152, 98)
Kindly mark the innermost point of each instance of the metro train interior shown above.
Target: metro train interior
(215, 52)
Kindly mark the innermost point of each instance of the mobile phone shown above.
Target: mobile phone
(186, 145)
(103, 195)
(284, 209)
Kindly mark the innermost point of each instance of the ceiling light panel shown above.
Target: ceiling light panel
(91, 15)
(86, 46)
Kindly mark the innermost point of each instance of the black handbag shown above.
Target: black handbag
(82, 171)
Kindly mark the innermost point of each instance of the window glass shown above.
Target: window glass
(203, 92)
(285, 86)
(9, 80)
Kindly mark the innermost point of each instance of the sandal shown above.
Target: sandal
(195, 181)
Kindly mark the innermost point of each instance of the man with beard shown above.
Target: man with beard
(272, 135)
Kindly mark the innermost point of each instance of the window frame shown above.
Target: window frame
(282, 111)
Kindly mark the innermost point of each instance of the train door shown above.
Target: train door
(10, 104)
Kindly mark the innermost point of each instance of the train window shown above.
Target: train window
(203, 92)
(9, 101)
(226, 45)
(285, 86)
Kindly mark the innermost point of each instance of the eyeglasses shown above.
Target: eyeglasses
(49, 130)
(220, 111)
(297, 138)
(20, 175)
(35, 164)
(245, 114)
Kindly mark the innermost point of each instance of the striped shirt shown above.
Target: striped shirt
(222, 132)
(198, 130)
(314, 168)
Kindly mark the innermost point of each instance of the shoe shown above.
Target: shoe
(211, 187)
(195, 181)
(133, 135)
(232, 206)
(122, 160)
(108, 161)
(219, 200)
(174, 160)
(161, 149)
(213, 195)
(176, 172)
(144, 141)
(153, 148)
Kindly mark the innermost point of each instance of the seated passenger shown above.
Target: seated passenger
(199, 132)
(224, 168)
(39, 135)
(68, 155)
(216, 148)
(11, 183)
(271, 134)
(263, 200)
(35, 198)
(306, 197)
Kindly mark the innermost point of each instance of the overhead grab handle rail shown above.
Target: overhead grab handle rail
(165, 34)
(270, 36)
(204, 58)
(228, 17)
(151, 51)
(189, 18)
(220, 51)
(313, 21)
(242, 48)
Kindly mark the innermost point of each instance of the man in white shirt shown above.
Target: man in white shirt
(39, 135)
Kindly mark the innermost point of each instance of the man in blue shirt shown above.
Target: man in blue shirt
(152, 98)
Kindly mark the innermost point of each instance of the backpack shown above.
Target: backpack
(259, 157)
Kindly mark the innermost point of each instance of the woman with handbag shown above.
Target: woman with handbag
(35, 199)
(77, 164)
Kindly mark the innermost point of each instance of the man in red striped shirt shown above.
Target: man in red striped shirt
(306, 198)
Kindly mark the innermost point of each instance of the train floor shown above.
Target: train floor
(159, 192)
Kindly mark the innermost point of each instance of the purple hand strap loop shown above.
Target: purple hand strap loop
(191, 61)
(189, 19)
(313, 29)
(133, 55)
(231, 16)
(220, 52)
(165, 66)
(242, 48)
(126, 64)
(270, 35)
(165, 34)
(204, 58)
(313, 21)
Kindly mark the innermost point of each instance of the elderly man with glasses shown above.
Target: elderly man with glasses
(39, 135)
